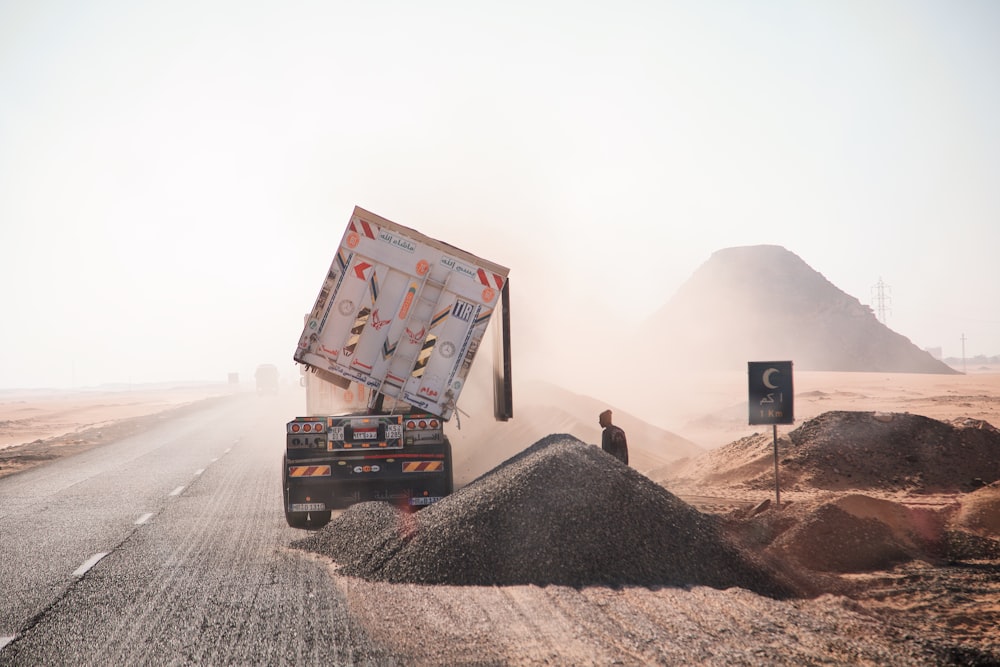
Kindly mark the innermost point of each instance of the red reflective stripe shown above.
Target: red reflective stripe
(309, 471)
(423, 466)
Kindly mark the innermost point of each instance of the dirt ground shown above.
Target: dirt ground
(895, 597)
(716, 411)
(904, 575)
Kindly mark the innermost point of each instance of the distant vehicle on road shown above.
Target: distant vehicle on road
(266, 376)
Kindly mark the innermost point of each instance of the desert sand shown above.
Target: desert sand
(924, 561)
(715, 411)
(888, 523)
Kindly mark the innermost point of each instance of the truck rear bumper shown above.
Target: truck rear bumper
(317, 493)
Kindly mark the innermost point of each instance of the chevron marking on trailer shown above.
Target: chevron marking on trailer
(361, 227)
(360, 268)
(359, 325)
(423, 466)
(484, 278)
(308, 471)
(424, 356)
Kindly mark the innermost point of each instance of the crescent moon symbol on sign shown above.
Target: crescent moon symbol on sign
(767, 378)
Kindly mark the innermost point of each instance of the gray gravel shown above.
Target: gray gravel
(561, 512)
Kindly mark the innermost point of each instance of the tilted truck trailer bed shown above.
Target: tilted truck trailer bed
(398, 321)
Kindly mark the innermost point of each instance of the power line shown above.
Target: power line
(963, 353)
(883, 302)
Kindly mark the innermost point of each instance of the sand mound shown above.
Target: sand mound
(852, 533)
(857, 533)
(561, 512)
(833, 540)
(844, 450)
(980, 512)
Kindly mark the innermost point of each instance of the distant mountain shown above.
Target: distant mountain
(764, 303)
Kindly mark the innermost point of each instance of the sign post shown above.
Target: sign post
(771, 402)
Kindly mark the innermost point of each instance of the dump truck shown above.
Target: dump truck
(386, 351)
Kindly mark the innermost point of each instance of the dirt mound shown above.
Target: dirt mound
(980, 512)
(739, 462)
(844, 450)
(895, 450)
(853, 533)
(833, 540)
(858, 533)
(561, 512)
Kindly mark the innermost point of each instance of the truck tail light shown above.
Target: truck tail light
(306, 427)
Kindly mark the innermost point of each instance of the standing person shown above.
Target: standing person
(613, 438)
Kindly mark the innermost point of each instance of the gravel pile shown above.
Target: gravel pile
(561, 512)
(894, 451)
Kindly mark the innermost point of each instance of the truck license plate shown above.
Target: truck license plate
(308, 507)
(425, 500)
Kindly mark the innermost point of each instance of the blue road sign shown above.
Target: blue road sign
(771, 395)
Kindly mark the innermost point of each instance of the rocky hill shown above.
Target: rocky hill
(765, 303)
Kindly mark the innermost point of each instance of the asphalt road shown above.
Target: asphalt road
(169, 547)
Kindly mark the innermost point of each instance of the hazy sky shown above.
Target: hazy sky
(175, 176)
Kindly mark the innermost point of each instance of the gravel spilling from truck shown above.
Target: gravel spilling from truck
(559, 513)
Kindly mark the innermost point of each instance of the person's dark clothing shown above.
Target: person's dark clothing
(613, 442)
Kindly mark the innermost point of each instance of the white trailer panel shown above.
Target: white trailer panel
(401, 313)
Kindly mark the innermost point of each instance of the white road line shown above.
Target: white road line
(198, 471)
(214, 460)
(6, 640)
(94, 560)
(177, 491)
(228, 450)
(144, 518)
